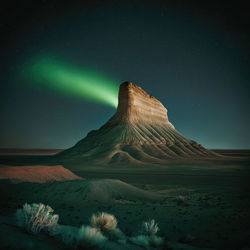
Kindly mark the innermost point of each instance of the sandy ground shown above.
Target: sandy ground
(38, 173)
(215, 213)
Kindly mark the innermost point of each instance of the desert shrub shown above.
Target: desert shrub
(104, 222)
(36, 217)
(150, 227)
(84, 236)
(68, 234)
(107, 224)
(89, 236)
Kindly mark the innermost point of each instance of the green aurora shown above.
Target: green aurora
(70, 80)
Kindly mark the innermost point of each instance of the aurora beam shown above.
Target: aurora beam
(72, 81)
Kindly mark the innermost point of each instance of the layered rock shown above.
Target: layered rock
(136, 106)
(139, 132)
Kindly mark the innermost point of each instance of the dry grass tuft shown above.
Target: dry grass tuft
(150, 227)
(36, 217)
(104, 222)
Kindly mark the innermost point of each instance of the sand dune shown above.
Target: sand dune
(101, 190)
(78, 191)
(39, 174)
(110, 189)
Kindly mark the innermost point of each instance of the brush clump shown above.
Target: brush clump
(150, 227)
(90, 236)
(149, 237)
(104, 222)
(107, 224)
(36, 217)
(101, 231)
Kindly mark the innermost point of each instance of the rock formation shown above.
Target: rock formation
(139, 132)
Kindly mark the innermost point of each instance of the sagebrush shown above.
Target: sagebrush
(150, 227)
(36, 217)
(104, 222)
(102, 230)
(149, 238)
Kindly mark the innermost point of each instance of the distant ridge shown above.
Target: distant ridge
(28, 151)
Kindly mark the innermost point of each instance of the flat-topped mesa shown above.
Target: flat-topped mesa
(136, 106)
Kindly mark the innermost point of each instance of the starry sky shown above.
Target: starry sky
(193, 56)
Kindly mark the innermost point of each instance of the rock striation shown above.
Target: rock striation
(139, 132)
(136, 106)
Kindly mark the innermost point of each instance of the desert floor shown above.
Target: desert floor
(213, 212)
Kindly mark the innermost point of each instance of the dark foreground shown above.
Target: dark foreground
(213, 211)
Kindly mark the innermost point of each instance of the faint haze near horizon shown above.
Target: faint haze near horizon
(193, 57)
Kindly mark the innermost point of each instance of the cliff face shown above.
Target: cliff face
(139, 132)
(136, 106)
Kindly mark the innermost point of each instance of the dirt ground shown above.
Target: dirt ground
(203, 204)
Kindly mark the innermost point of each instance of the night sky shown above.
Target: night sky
(193, 56)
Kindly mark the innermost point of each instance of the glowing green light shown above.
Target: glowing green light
(71, 81)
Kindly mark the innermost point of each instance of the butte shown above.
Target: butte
(138, 133)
